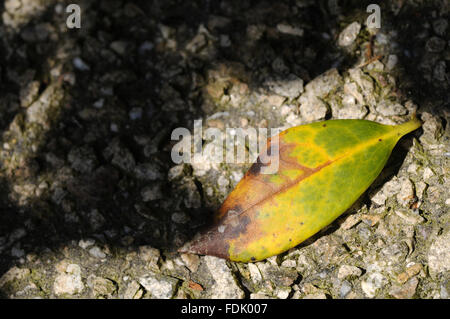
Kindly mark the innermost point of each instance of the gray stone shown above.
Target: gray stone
(435, 44)
(318, 295)
(388, 109)
(148, 172)
(192, 198)
(348, 270)
(225, 41)
(395, 253)
(409, 217)
(145, 47)
(133, 291)
(282, 292)
(406, 291)
(82, 159)
(150, 193)
(427, 173)
(290, 86)
(352, 112)
(79, 64)
(197, 43)
(120, 47)
(288, 29)
(96, 220)
(176, 172)
(372, 283)
(382, 38)
(345, 289)
(392, 61)
(313, 109)
(351, 90)
(85, 243)
(279, 66)
(14, 274)
(440, 26)
(150, 255)
(225, 285)
(255, 274)
(366, 85)
(444, 290)
(406, 193)
(29, 93)
(390, 188)
(97, 252)
(431, 126)
(69, 281)
(289, 263)
(180, 217)
(120, 156)
(159, 287)
(351, 221)
(13, 5)
(135, 113)
(101, 287)
(17, 234)
(440, 71)
(191, 261)
(17, 252)
(259, 296)
(349, 34)
(323, 84)
(99, 103)
(439, 255)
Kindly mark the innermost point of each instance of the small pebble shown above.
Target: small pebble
(80, 64)
(349, 34)
(97, 252)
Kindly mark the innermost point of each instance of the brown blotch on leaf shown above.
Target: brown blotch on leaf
(255, 169)
(212, 241)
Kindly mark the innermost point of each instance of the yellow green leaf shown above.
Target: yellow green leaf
(324, 167)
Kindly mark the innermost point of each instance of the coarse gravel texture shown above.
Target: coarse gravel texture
(92, 205)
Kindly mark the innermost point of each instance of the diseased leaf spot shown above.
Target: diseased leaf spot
(232, 213)
(255, 169)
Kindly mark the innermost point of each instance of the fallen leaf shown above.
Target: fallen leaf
(323, 168)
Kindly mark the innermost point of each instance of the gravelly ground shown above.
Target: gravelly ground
(92, 205)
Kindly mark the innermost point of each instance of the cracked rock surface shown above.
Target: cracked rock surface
(92, 205)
